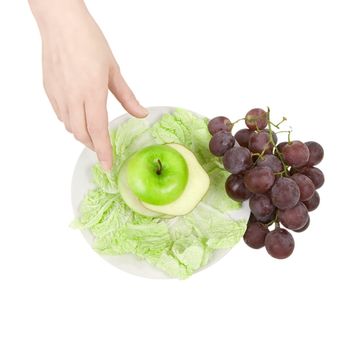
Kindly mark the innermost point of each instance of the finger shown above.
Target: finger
(61, 110)
(67, 125)
(64, 114)
(55, 107)
(65, 117)
(53, 101)
(77, 122)
(124, 95)
(97, 127)
(60, 107)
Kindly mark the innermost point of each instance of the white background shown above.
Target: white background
(214, 57)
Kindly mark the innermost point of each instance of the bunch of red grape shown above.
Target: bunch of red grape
(279, 179)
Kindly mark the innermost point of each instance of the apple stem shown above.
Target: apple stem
(159, 170)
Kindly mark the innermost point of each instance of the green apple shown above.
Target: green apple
(197, 186)
(157, 174)
(129, 197)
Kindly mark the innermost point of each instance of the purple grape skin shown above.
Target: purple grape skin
(271, 161)
(281, 145)
(259, 179)
(267, 220)
(237, 160)
(252, 219)
(242, 137)
(260, 142)
(279, 243)
(304, 227)
(315, 174)
(306, 186)
(219, 124)
(221, 142)
(236, 189)
(316, 153)
(274, 135)
(256, 118)
(294, 218)
(255, 235)
(261, 205)
(285, 193)
(296, 154)
(313, 202)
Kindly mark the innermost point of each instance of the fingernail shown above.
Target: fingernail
(143, 112)
(105, 165)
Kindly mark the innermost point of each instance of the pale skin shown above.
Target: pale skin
(78, 70)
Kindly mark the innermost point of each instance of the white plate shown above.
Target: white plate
(81, 183)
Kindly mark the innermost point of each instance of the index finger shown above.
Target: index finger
(97, 127)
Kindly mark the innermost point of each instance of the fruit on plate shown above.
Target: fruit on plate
(197, 183)
(196, 187)
(157, 174)
(128, 195)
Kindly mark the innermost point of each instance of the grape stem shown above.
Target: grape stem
(279, 154)
(274, 221)
(260, 155)
(282, 131)
(278, 124)
(236, 121)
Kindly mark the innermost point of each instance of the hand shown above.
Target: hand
(78, 70)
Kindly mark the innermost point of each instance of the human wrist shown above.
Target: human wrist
(48, 13)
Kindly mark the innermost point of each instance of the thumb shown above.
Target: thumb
(123, 93)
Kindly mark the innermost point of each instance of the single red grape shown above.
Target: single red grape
(256, 119)
(236, 189)
(271, 161)
(315, 174)
(237, 160)
(316, 153)
(306, 186)
(219, 124)
(261, 205)
(255, 235)
(285, 193)
(296, 154)
(294, 218)
(279, 243)
(221, 142)
(313, 202)
(260, 142)
(304, 227)
(259, 179)
(242, 137)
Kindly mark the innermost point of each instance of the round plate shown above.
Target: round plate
(81, 183)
